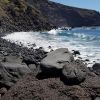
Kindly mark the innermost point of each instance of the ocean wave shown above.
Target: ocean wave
(55, 31)
(75, 35)
(86, 37)
(87, 44)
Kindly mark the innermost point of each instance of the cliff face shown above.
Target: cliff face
(61, 15)
(25, 15)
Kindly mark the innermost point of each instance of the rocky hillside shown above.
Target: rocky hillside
(19, 15)
(25, 15)
(60, 15)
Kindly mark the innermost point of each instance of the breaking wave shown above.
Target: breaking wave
(87, 41)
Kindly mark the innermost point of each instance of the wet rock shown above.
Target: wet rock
(74, 72)
(96, 68)
(76, 52)
(55, 60)
(87, 60)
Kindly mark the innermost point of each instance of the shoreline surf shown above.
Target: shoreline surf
(84, 40)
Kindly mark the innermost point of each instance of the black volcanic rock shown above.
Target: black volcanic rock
(12, 64)
(31, 88)
(11, 72)
(74, 72)
(96, 68)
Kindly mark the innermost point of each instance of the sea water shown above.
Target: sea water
(86, 40)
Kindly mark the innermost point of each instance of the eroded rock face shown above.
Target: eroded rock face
(55, 60)
(74, 72)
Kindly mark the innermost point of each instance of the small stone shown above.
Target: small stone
(87, 60)
(76, 52)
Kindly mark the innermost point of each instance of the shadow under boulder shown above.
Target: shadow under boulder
(51, 73)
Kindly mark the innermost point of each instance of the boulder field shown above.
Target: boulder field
(61, 62)
(38, 75)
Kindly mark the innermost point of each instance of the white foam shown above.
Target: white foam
(55, 41)
(55, 31)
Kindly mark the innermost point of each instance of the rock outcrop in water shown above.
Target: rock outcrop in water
(27, 15)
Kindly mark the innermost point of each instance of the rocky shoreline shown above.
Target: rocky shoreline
(16, 61)
(33, 74)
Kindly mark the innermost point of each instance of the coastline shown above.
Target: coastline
(22, 58)
(60, 73)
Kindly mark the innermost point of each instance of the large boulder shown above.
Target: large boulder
(74, 72)
(55, 60)
(11, 72)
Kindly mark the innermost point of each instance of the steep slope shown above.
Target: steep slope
(61, 15)
(26, 15)
(18, 15)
